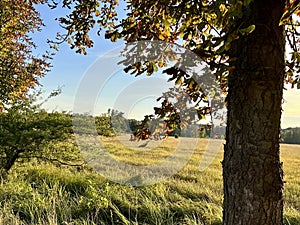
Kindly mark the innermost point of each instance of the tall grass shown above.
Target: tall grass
(44, 194)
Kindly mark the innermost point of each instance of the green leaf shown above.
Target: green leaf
(178, 81)
(247, 30)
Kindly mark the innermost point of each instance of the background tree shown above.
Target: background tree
(290, 135)
(118, 122)
(236, 38)
(19, 67)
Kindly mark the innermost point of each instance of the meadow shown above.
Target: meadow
(44, 194)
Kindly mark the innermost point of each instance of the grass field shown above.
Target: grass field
(44, 194)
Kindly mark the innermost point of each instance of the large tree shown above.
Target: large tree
(243, 42)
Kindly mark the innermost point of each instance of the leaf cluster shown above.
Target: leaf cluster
(83, 17)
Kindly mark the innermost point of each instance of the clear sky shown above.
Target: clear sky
(134, 96)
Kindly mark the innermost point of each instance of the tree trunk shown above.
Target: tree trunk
(252, 170)
(7, 163)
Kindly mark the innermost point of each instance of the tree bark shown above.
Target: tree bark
(252, 170)
(7, 163)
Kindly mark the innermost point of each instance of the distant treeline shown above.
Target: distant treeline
(290, 135)
(114, 123)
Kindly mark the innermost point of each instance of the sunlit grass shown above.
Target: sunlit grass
(44, 194)
(290, 155)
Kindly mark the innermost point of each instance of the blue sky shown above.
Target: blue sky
(134, 96)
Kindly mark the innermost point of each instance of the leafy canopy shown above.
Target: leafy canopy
(206, 27)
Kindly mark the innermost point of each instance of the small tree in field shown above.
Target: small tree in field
(28, 132)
